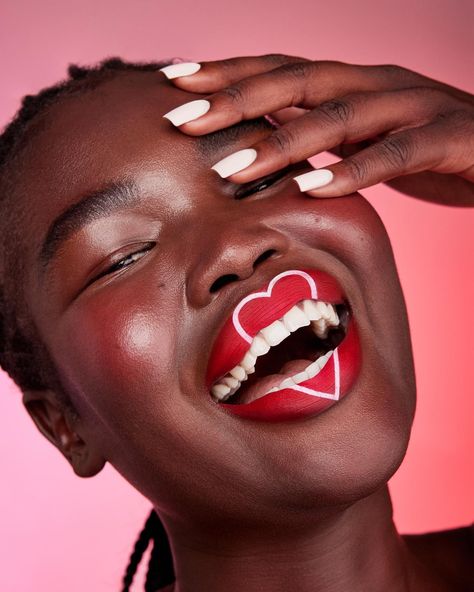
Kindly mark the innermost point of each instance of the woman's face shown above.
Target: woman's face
(133, 345)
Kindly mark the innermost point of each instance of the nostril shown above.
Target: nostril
(263, 257)
(232, 277)
(222, 281)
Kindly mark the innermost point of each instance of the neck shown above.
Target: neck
(357, 549)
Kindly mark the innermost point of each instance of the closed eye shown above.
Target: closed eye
(261, 184)
(124, 262)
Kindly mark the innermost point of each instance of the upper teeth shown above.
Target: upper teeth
(320, 315)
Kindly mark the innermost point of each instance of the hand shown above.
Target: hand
(388, 124)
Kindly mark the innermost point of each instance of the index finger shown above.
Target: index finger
(208, 77)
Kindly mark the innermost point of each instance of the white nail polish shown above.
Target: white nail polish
(314, 179)
(188, 112)
(183, 69)
(235, 162)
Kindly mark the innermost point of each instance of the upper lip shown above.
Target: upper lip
(231, 343)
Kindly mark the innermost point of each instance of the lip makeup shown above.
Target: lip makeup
(265, 318)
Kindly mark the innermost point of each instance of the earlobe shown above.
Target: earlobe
(54, 421)
(86, 461)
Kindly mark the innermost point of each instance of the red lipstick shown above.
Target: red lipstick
(260, 309)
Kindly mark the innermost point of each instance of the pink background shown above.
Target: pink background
(59, 532)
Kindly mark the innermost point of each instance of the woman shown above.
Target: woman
(158, 282)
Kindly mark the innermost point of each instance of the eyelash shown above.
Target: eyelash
(262, 184)
(240, 194)
(117, 265)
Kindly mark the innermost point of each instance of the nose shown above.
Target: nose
(232, 254)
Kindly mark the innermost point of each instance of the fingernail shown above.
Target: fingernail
(235, 162)
(314, 179)
(183, 69)
(188, 112)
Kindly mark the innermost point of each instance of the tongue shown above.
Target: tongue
(294, 366)
(264, 384)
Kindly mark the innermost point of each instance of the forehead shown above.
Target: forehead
(100, 133)
(115, 126)
(93, 139)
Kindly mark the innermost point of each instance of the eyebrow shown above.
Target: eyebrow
(92, 206)
(120, 195)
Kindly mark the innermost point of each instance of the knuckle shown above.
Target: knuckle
(357, 169)
(276, 59)
(227, 66)
(337, 110)
(461, 119)
(390, 69)
(460, 127)
(281, 141)
(298, 70)
(395, 72)
(233, 94)
(397, 151)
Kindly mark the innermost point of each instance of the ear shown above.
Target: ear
(55, 421)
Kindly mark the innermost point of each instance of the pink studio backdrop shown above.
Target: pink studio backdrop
(59, 532)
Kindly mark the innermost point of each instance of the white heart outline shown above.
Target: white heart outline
(314, 295)
(235, 316)
(337, 381)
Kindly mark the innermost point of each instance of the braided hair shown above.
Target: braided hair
(160, 566)
(22, 354)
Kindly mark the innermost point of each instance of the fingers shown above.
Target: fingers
(302, 84)
(254, 96)
(350, 119)
(208, 77)
(288, 114)
(410, 151)
(326, 105)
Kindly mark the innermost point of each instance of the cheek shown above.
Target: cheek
(117, 353)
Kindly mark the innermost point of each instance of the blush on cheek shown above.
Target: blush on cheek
(137, 337)
(118, 355)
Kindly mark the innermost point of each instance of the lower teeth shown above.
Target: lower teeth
(310, 372)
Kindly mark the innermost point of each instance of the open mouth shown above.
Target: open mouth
(289, 351)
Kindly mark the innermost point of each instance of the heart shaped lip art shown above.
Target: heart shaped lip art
(289, 350)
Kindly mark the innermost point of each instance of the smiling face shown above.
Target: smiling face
(132, 341)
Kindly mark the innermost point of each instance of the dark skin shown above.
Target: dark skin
(296, 505)
(389, 124)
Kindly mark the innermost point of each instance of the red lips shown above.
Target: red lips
(331, 384)
(259, 309)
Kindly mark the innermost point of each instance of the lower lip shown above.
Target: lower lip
(333, 382)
